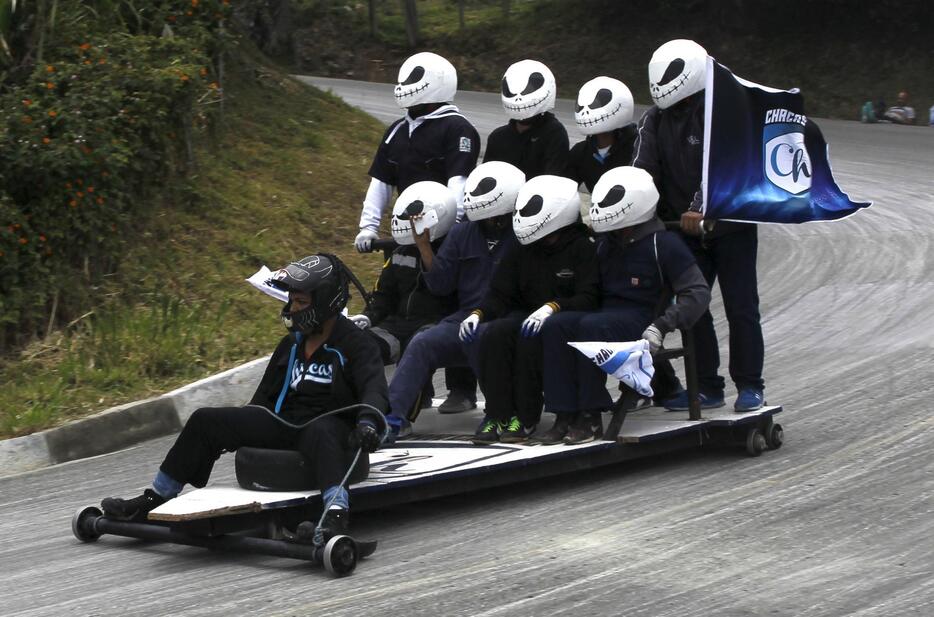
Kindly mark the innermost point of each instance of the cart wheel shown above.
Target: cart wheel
(340, 556)
(82, 523)
(775, 436)
(755, 442)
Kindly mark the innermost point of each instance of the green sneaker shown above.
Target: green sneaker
(487, 432)
(515, 432)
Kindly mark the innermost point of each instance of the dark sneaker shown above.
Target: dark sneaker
(679, 402)
(488, 432)
(557, 431)
(596, 424)
(336, 523)
(457, 402)
(749, 399)
(134, 509)
(515, 432)
(399, 428)
(581, 430)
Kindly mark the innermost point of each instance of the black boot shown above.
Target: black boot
(336, 523)
(134, 509)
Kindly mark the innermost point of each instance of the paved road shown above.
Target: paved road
(838, 522)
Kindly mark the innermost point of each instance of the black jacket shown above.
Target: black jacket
(584, 161)
(401, 292)
(565, 273)
(541, 149)
(670, 146)
(357, 374)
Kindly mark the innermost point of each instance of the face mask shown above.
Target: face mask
(677, 70)
(545, 205)
(604, 104)
(425, 78)
(528, 89)
(623, 197)
(430, 199)
(491, 190)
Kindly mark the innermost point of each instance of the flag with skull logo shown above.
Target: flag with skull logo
(764, 160)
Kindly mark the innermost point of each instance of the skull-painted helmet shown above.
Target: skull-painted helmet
(491, 190)
(420, 198)
(677, 70)
(323, 277)
(604, 104)
(545, 205)
(623, 197)
(425, 78)
(528, 89)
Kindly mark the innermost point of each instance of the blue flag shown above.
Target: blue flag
(764, 160)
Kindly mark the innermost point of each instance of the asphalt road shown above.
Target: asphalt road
(839, 521)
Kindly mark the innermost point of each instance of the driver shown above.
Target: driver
(324, 363)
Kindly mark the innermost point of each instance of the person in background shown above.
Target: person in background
(901, 112)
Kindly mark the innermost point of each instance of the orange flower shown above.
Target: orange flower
(52, 114)
(27, 119)
(184, 77)
(23, 240)
(27, 102)
(79, 181)
(49, 68)
(49, 85)
(68, 185)
(213, 85)
(90, 189)
(46, 140)
(102, 61)
(73, 203)
(194, 3)
(87, 62)
(100, 200)
(172, 18)
(41, 238)
(204, 72)
(84, 46)
(189, 13)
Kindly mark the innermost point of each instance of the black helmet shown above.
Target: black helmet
(322, 276)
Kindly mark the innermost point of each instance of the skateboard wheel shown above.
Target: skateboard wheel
(755, 442)
(775, 436)
(82, 523)
(340, 556)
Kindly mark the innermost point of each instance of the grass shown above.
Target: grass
(283, 178)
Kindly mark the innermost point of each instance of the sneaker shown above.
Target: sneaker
(336, 523)
(515, 432)
(134, 509)
(488, 432)
(581, 430)
(557, 431)
(680, 401)
(596, 425)
(749, 399)
(399, 428)
(457, 402)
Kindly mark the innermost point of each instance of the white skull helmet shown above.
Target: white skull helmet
(528, 89)
(545, 205)
(604, 104)
(425, 78)
(677, 70)
(491, 190)
(419, 198)
(623, 197)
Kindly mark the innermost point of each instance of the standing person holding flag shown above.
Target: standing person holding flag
(669, 145)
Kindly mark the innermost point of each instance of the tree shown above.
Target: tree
(410, 12)
(372, 18)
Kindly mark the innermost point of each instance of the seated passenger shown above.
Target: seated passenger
(638, 262)
(604, 115)
(323, 364)
(901, 112)
(554, 268)
(463, 266)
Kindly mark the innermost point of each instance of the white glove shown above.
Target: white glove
(361, 321)
(364, 240)
(468, 330)
(533, 323)
(654, 337)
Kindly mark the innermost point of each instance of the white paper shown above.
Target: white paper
(258, 281)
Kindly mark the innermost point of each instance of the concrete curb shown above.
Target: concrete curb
(127, 425)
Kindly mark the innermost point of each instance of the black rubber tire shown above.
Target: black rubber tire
(340, 556)
(82, 523)
(755, 442)
(261, 469)
(775, 436)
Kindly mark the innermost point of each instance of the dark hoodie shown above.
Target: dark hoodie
(530, 276)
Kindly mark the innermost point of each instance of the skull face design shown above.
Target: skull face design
(623, 197)
(425, 78)
(528, 89)
(545, 204)
(491, 190)
(423, 198)
(677, 70)
(604, 104)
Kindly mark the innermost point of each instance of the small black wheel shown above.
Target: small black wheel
(755, 442)
(340, 556)
(82, 523)
(775, 436)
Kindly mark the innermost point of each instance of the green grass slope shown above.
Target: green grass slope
(284, 178)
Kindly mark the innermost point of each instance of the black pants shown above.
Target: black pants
(210, 431)
(511, 370)
(732, 259)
